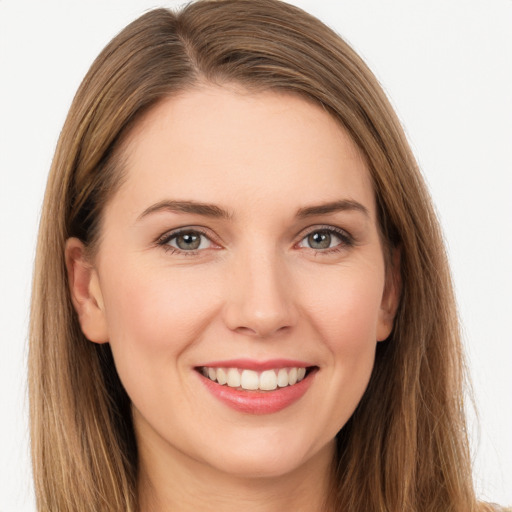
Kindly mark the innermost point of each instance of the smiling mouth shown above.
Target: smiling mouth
(251, 380)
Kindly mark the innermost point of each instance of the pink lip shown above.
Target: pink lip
(257, 402)
(257, 366)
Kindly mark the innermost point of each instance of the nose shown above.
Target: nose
(260, 298)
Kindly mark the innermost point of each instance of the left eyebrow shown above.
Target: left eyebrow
(333, 207)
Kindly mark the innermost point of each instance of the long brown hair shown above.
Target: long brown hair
(405, 447)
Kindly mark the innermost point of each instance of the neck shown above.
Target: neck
(177, 482)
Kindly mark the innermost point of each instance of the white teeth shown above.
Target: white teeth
(222, 378)
(282, 378)
(267, 380)
(233, 378)
(249, 380)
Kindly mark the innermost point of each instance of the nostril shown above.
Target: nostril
(260, 306)
(261, 331)
(246, 330)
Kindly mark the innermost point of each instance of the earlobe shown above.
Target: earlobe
(85, 292)
(390, 297)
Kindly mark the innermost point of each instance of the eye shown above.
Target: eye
(189, 240)
(326, 238)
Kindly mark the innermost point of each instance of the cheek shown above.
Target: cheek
(154, 316)
(345, 308)
(346, 316)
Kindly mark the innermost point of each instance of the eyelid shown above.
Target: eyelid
(163, 240)
(346, 238)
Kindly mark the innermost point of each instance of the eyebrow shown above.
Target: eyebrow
(333, 207)
(205, 209)
(214, 211)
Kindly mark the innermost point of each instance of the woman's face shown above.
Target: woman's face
(242, 247)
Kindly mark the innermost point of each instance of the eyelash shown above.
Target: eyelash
(164, 240)
(347, 240)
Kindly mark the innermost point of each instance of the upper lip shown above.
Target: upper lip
(252, 364)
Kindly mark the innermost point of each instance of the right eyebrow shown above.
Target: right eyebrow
(205, 209)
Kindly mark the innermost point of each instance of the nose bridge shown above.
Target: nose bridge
(260, 299)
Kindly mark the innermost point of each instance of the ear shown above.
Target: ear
(85, 292)
(390, 297)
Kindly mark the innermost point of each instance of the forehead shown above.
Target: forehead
(227, 145)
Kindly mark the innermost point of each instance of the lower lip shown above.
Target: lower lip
(254, 402)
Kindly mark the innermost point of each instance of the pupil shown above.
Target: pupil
(188, 241)
(319, 240)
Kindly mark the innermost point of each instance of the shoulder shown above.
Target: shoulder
(496, 508)
(485, 506)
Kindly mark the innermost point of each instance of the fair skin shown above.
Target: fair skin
(283, 267)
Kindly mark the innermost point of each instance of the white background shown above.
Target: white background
(447, 66)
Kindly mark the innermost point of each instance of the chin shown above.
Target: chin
(252, 467)
(268, 459)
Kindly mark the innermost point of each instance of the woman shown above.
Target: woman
(251, 304)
